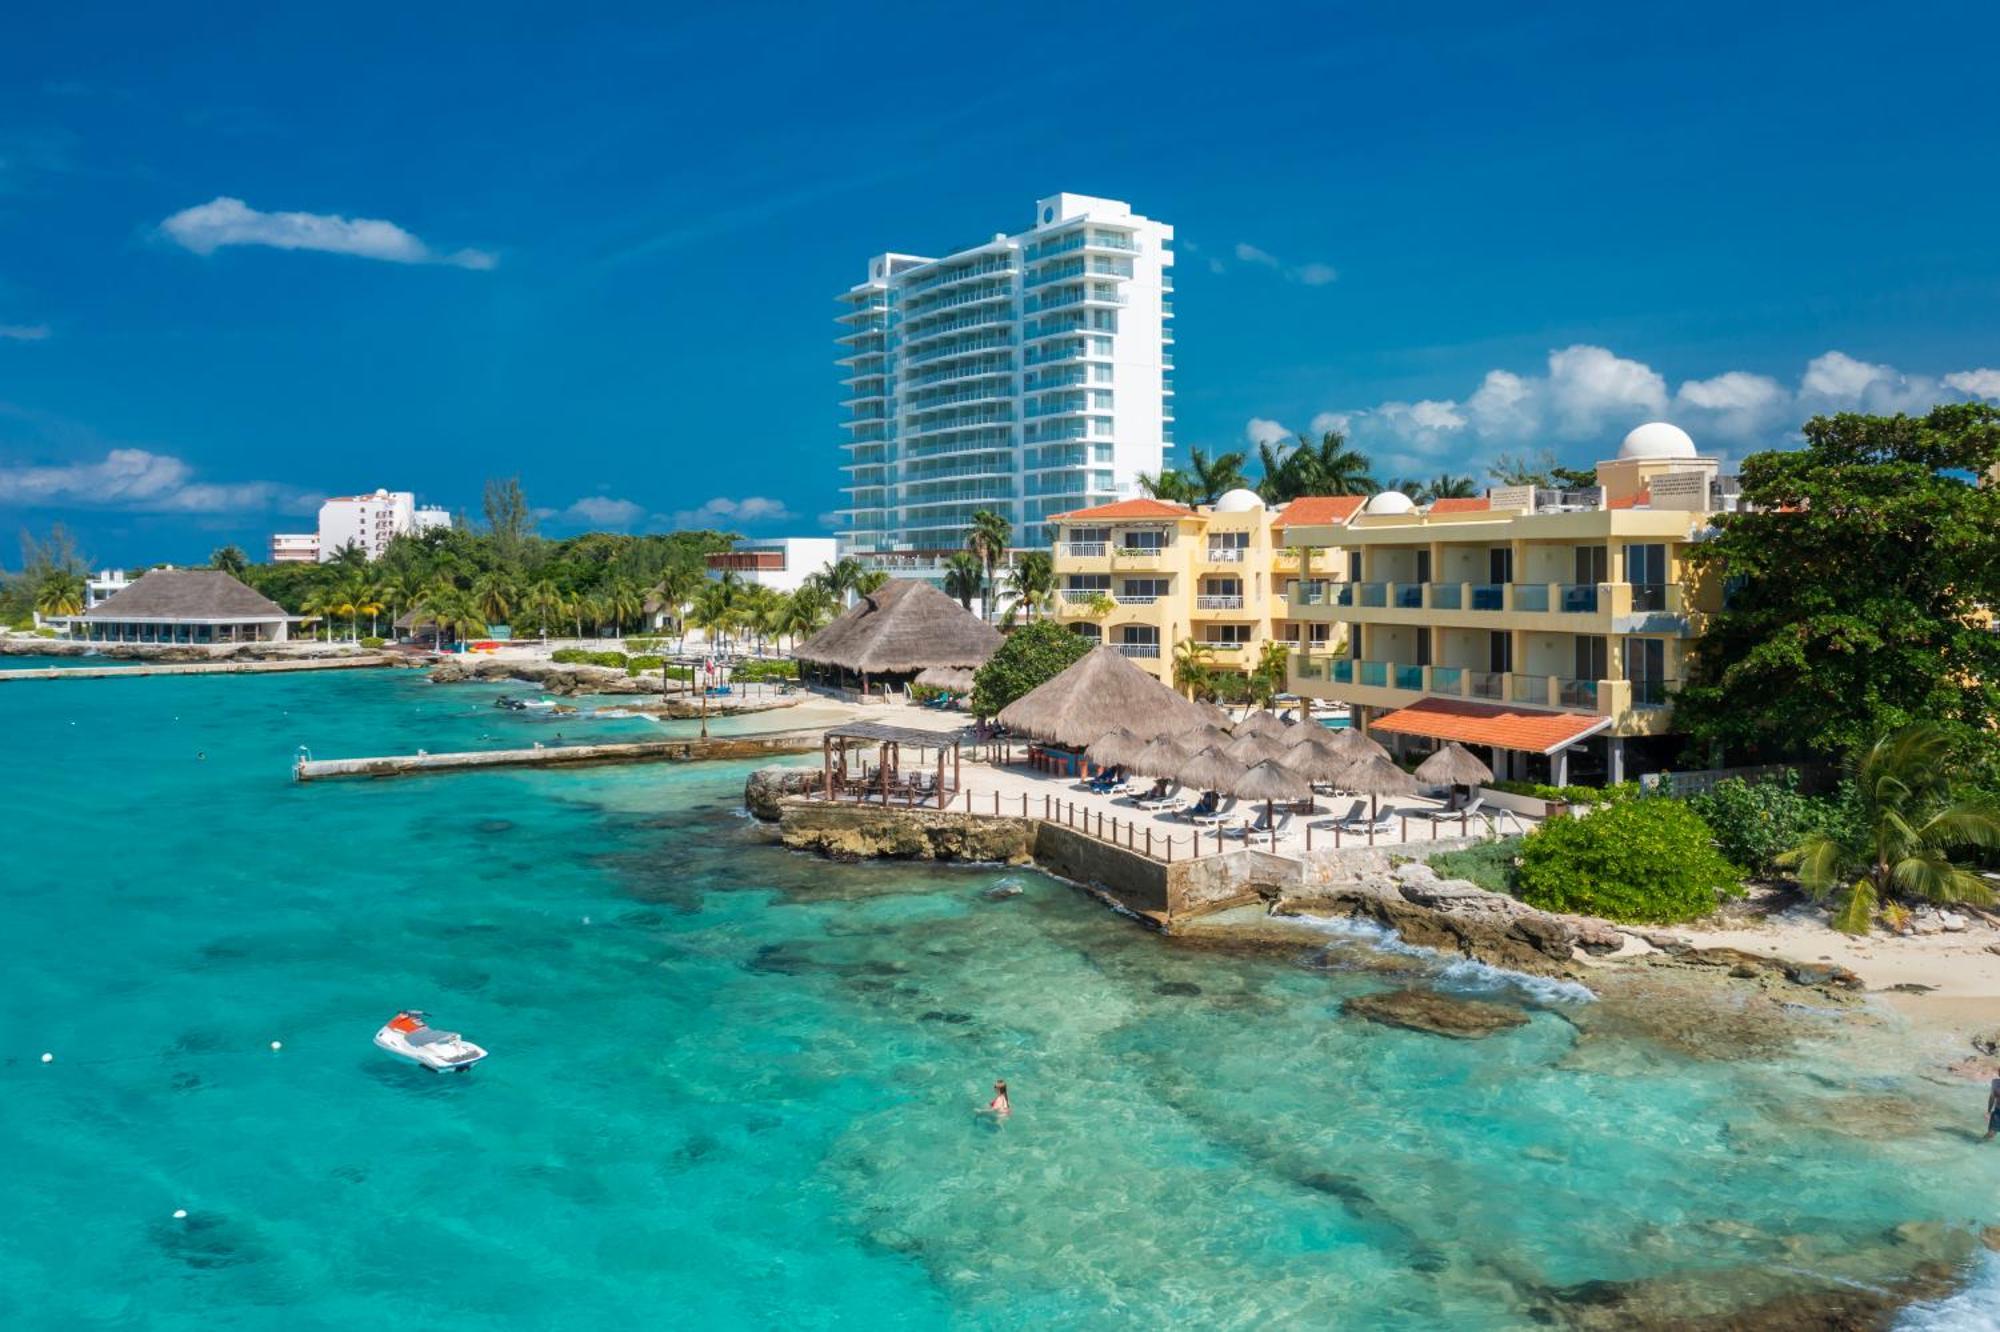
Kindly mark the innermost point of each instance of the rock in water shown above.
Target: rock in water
(1001, 891)
(1439, 1014)
(766, 787)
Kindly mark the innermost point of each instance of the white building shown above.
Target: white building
(1031, 375)
(102, 586)
(368, 521)
(781, 563)
(294, 547)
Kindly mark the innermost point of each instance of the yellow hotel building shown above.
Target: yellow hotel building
(1143, 574)
(1548, 627)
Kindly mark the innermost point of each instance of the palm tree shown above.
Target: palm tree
(321, 604)
(623, 601)
(229, 559)
(1193, 674)
(676, 586)
(1032, 583)
(804, 612)
(1209, 480)
(871, 581)
(545, 605)
(351, 594)
(713, 611)
(350, 556)
(371, 606)
(963, 575)
(1905, 818)
(987, 539)
(454, 612)
(493, 592)
(1446, 486)
(841, 578)
(1176, 487)
(1328, 467)
(60, 592)
(402, 589)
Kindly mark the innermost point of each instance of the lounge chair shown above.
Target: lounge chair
(1208, 818)
(1158, 798)
(1357, 810)
(1385, 818)
(1437, 816)
(1265, 824)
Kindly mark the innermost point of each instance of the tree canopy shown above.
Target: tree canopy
(1858, 580)
(1032, 655)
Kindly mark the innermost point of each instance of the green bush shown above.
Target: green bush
(585, 657)
(1490, 864)
(373, 642)
(643, 644)
(758, 669)
(1571, 795)
(1755, 823)
(1032, 655)
(1641, 860)
(643, 662)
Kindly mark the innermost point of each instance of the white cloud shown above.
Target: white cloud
(722, 512)
(601, 511)
(143, 482)
(1250, 254)
(1315, 274)
(1976, 383)
(1588, 394)
(1262, 430)
(223, 221)
(24, 332)
(1312, 274)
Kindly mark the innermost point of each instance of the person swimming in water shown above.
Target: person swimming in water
(1992, 1111)
(999, 1107)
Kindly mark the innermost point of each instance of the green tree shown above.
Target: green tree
(1268, 678)
(804, 613)
(493, 592)
(544, 605)
(1194, 670)
(454, 613)
(1522, 469)
(1032, 584)
(230, 560)
(59, 592)
(987, 538)
(1446, 486)
(1857, 585)
(673, 590)
(510, 523)
(1907, 816)
(964, 575)
(871, 581)
(1030, 656)
(1210, 479)
(624, 603)
(1326, 466)
(1175, 487)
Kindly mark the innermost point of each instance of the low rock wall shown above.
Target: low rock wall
(860, 832)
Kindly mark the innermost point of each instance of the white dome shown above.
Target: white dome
(1239, 501)
(1390, 501)
(1656, 439)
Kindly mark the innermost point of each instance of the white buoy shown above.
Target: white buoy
(48, 1058)
(180, 1213)
(277, 1045)
(586, 920)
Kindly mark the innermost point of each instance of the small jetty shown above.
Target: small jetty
(687, 750)
(200, 668)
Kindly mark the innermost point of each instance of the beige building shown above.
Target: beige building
(1549, 627)
(1142, 575)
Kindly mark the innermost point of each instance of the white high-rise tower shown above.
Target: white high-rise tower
(1030, 375)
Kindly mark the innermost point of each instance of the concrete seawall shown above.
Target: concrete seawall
(199, 668)
(642, 751)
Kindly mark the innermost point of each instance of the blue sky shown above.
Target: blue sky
(605, 241)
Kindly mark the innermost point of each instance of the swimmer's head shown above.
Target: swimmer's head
(1000, 1085)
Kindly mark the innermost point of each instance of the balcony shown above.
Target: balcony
(1227, 647)
(1085, 550)
(1138, 649)
(1219, 603)
(1136, 598)
(1227, 554)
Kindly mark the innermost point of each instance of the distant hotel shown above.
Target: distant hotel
(780, 563)
(368, 521)
(1030, 375)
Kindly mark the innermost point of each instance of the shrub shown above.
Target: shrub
(586, 657)
(1756, 823)
(1570, 795)
(643, 644)
(764, 668)
(1032, 655)
(1490, 864)
(372, 642)
(1640, 860)
(643, 662)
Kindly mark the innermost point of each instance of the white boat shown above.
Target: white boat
(408, 1035)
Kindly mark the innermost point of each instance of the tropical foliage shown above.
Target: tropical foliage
(1030, 656)
(1637, 860)
(1323, 467)
(1858, 584)
(1756, 823)
(1907, 813)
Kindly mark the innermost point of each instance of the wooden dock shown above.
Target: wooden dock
(689, 750)
(199, 668)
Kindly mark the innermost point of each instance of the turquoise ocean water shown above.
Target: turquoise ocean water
(730, 1086)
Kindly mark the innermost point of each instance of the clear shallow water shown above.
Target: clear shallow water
(731, 1086)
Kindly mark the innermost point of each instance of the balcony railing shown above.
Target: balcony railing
(1571, 693)
(1578, 599)
(1085, 550)
(1651, 693)
(1138, 649)
(1136, 598)
(1227, 554)
(1531, 596)
(1222, 645)
(1219, 602)
(1485, 684)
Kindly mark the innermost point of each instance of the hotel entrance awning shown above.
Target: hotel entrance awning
(1494, 724)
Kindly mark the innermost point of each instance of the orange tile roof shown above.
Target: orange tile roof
(1131, 508)
(1319, 510)
(1477, 504)
(1491, 724)
(1645, 496)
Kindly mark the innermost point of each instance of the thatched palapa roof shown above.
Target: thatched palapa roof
(197, 595)
(1097, 692)
(1454, 765)
(951, 679)
(903, 626)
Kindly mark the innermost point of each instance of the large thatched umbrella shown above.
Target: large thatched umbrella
(1162, 757)
(1255, 747)
(951, 679)
(1376, 776)
(1317, 760)
(1212, 770)
(1454, 765)
(898, 630)
(1301, 734)
(1260, 723)
(1097, 693)
(1205, 737)
(1356, 745)
(1114, 747)
(1215, 716)
(1270, 781)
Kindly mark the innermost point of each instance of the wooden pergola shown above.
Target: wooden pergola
(889, 743)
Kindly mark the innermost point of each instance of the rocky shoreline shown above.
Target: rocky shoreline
(674, 700)
(173, 654)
